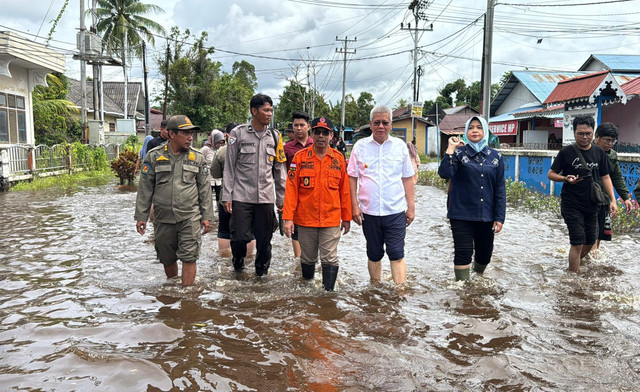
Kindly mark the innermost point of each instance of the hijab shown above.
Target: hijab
(480, 145)
(209, 141)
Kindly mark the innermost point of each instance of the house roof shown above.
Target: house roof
(585, 87)
(540, 84)
(453, 122)
(111, 103)
(135, 96)
(458, 109)
(632, 87)
(614, 62)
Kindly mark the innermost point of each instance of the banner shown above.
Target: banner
(504, 128)
(416, 109)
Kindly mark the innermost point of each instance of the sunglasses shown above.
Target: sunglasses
(324, 132)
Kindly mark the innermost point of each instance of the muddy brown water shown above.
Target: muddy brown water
(85, 307)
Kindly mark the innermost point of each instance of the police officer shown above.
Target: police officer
(255, 162)
(174, 178)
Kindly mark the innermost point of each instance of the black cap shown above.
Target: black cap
(322, 122)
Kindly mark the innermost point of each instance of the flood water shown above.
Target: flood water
(85, 307)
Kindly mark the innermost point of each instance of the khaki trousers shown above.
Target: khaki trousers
(319, 241)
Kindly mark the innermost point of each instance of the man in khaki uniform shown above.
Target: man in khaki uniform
(174, 179)
(254, 179)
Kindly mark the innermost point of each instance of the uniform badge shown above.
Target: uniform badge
(292, 174)
(145, 168)
(271, 158)
(192, 156)
(162, 158)
(205, 168)
(305, 181)
(232, 140)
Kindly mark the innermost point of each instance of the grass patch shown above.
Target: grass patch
(65, 181)
(519, 196)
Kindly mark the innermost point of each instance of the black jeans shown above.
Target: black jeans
(249, 220)
(470, 234)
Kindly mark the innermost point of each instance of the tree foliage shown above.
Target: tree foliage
(52, 113)
(124, 27)
(200, 89)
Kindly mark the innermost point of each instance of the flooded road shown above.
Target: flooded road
(85, 307)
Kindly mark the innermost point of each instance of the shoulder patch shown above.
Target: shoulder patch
(292, 174)
(232, 140)
(145, 168)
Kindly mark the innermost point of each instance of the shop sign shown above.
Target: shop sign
(504, 128)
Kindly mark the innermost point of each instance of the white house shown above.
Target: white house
(24, 64)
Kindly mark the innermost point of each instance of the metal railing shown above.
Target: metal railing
(19, 158)
(51, 158)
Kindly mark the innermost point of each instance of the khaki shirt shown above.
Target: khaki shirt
(251, 168)
(177, 185)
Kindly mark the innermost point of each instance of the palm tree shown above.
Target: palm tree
(124, 29)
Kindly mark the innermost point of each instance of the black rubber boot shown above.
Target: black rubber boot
(238, 263)
(329, 275)
(479, 268)
(307, 270)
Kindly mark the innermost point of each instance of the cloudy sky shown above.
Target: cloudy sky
(281, 36)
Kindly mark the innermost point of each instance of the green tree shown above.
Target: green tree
(403, 103)
(53, 123)
(200, 89)
(365, 104)
(291, 100)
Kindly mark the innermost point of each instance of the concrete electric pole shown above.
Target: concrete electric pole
(418, 8)
(344, 77)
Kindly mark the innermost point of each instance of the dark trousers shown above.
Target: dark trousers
(249, 220)
(470, 234)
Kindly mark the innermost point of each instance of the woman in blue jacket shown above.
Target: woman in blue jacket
(477, 199)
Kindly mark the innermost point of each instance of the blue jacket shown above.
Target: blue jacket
(478, 190)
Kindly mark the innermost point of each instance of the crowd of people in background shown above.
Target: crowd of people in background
(309, 189)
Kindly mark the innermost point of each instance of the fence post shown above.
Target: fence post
(117, 150)
(31, 159)
(69, 158)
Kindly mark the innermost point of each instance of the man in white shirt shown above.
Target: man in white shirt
(384, 202)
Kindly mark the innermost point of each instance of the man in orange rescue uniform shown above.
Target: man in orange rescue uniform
(317, 198)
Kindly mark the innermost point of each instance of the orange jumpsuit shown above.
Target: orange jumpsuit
(317, 192)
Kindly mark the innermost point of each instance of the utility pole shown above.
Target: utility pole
(417, 7)
(166, 83)
(147, 115)
(83, 77)
(344, 77)
(486, 60)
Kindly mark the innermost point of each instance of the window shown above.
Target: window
(4, 126)
(22, 127)
(13, 118)
(112, 127)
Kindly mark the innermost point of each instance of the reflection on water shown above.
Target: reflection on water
(85, 306)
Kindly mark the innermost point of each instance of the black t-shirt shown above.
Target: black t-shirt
(568, 162)
(155, 142)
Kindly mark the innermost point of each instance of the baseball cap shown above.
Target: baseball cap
(181, 123)
(322, 122)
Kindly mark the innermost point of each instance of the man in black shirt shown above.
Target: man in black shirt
(579, 212)
(158, 140)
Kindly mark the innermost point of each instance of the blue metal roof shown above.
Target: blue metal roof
(617, 62)
(541, 84)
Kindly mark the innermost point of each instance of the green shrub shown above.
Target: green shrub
(125, 166)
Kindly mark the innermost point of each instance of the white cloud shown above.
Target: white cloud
(279, 32)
